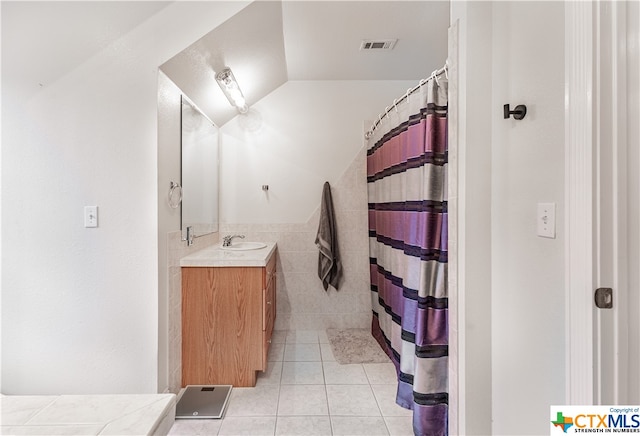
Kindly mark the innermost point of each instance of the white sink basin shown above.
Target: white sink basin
(244, 246)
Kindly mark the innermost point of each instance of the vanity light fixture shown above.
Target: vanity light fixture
(230, 87)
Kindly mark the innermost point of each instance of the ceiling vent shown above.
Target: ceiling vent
(378, 44)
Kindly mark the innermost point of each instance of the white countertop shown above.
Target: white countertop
(214, 256)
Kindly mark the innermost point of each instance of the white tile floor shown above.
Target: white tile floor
(306, 392)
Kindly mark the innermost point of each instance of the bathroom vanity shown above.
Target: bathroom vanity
(228, 313)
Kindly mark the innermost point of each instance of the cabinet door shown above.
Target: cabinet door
(195, 301)
(269, 308)
(221, 325)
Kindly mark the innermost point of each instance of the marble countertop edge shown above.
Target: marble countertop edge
(107, 414)
(214, 256)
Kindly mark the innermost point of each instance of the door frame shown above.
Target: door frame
(579, 196)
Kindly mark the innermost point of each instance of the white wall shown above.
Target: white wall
(527, 168)
(521, 291)
(474, 214)
(169, 106)
(310, 132)
(171, 247)
(80, 306)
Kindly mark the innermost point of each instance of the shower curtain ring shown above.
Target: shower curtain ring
(395, 104)
(434, 75)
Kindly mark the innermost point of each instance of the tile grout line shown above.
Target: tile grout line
(332, 425)
(275, 427)
(375, 399)
(379, 407)
(40, 410)
(326, 391)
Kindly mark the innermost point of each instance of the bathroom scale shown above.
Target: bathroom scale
(203, 401)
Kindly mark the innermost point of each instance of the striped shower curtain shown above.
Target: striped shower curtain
(407, 194)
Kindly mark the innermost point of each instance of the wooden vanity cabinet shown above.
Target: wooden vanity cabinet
(269, 315)
(228, 315)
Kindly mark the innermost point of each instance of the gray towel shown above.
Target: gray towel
(329, 266)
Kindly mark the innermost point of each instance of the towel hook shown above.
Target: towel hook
(518, 113)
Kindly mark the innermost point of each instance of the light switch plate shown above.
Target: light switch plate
(546, 220)
(91, 216)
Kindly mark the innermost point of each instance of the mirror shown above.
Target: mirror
(200, 171)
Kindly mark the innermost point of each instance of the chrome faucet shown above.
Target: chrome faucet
(190, 236)
(226, 241)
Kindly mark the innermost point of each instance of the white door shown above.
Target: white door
(603, 197)
(616, 223)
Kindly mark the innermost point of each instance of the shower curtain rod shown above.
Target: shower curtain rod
(434, 75)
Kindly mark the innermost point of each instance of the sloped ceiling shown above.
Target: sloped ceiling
(250, 43)
(270, 42)
(57, 36)
(266, 44)
(322, 39)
